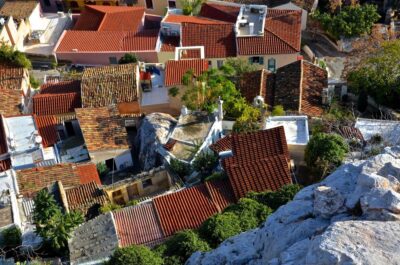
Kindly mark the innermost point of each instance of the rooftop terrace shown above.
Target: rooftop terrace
(251, 20)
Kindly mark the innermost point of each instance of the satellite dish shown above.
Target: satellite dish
(38, 139)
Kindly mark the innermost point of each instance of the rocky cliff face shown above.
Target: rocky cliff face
(153, 131)
(352, 217)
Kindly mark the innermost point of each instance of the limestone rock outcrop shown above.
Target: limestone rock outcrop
(351, 217)
(154, 130)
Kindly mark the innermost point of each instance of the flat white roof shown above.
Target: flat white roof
(389, 130)
(296, 128)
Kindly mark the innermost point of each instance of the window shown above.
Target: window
(220, 63)
(256, 59)
(271, 64)
(209, 63)
(113, 60)
(172, 4)
(149, 4)
(146, 183)
(110, 163)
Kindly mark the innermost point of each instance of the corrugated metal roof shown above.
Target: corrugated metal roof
(138, 225)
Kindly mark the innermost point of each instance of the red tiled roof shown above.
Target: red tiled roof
(88, 173)
(138, 225)
(282, 35)
(171, 18)
(51, 104)
(350, 133)
(222, 144)
(62, 87)
(47, 129)
(263, 174)
(85, 197)
(220, 12)
(175, 70)
(169, 44)
(218, 40)
(6, 163)
(11, 76)
(110, 18)
(185, 209)
(10, 101)
(221, 193)
(32, 180)
(94, 41)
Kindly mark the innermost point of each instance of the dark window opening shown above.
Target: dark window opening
(256, 60)
(171, 4)
(146, 183)
(149, 4)
(70, 128)
(113, 60)
(272, 65)
(110, 163)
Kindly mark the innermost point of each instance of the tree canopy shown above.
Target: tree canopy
(351, 21)
(325, 152)
(379, 75)
(128, 58)
(135, 255)
(15, 58)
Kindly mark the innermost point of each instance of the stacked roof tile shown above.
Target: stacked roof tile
(138, 225)
(281, 35)
(222, 144)
(221, 193)
(88, 173)
(86, 198)
(219, 43)
(185, 209)
(257, 83)
(46, 126)
(11, 77)
(102, 129)
(61, 87)
(260, 161)
(108, 85)
(299, 87)
(175, 70)
(10, 102)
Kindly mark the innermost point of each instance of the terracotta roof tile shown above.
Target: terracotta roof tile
(102, 129)
(5, 164)
(32, 180)
(350, 133)
(10, 102)
(221, 193)
(264, 174)
(62, 87)
(85, 198)
(220, 12)
(185, 209)
(87, 173)
(222, 144)
(301, 79)
(11, 77)
(47, 129)
(51, 104)
(138, 225)
(282, 35)
(218, 40)
(172, 18)
(257, 83)
(18, 9)
(110, 18)
(175, 70)
(107, 85)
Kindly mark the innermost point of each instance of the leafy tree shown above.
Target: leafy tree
(220, 227)
(34, 83)
(239, 67)
(216, 176)
(275, 199)
(351, 21)
(379, 75)
(109, 207)
(173, 91)
(191, 7)
(51, 224)
(180, 168)
(12, 237)
(248, 120)
(205, 162)
(278, 111)
(16, 58)
(182, 245)
(135, 255)
(128, 58)
(102, 169)
(325, 152)
(251, 213)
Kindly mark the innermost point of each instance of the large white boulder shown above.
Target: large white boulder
(351, 217)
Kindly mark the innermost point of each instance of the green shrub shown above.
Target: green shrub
(135, 255)
(16, 58)
(182, 245)
(110, 207)
(173, 91)
(205, 162)
(275, 199)
(278, 111)
(102, 169)
(325, 152)
(34, 83)
(12, 237)
(128, 58)
(180, 168)
(216, 176)
(376, 139)
(252, 213)
(220, 227)
(132, 203)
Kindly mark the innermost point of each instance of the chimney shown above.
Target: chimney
(184, 110)
(251, 28)
(220, 109)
